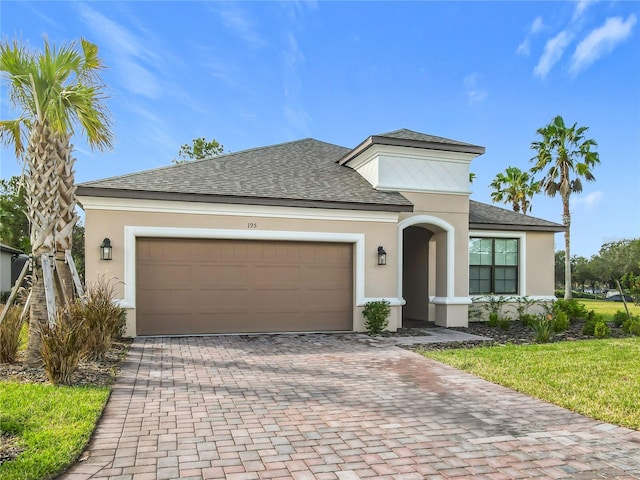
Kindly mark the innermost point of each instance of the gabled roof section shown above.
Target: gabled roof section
(301, 173)
(408, 138)
(487, 217)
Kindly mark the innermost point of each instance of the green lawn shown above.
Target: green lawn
(53, 425)
(607, 309)
(597, 378)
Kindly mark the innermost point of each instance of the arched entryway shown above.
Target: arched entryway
(426, 247)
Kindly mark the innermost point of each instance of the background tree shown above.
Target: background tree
(559, 268)
(567, 157)
(199, 148)
(515, 187)
(55, 90)
(14, 224)
(621, 259)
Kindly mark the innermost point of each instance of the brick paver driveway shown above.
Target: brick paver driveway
(335, 407)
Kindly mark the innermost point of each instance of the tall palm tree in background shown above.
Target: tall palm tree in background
(515, 187)
(55, 90)
(567, 157)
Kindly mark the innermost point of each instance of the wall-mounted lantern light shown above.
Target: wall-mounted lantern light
(106, 251)
(382, 256)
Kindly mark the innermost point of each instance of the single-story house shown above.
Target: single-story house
(299, 236)
(7, 254)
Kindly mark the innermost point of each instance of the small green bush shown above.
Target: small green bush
(10, 334)
(590, 325)
(573, 308)
(601, 329)
(377, 316)
(543, 328)
(632, 326)
(560, 322)
(63, 344)
(619, 318)
(493, 319)
(527, 319)
(504, 324)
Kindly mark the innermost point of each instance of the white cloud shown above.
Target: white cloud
(553, 51)
(581, 7)
(525, 47)
(591, 200)
(128, 53)
(537, 25)
(475, 93)
(238, 21)
(600, 42)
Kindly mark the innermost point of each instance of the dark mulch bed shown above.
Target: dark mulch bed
(517, 334)
(100, 373)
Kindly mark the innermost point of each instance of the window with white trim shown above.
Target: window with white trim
(493, 266)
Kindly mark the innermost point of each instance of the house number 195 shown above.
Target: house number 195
(252, 225)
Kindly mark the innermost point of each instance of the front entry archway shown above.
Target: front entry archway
(426, 264)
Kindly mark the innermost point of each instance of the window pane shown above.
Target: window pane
(511, 259)
(506, 280)
(480, 251)
(479, 280)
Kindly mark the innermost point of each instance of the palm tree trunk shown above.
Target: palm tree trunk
(67, 211)
(567, 248)
(42, 207)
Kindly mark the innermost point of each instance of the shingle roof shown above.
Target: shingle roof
(489, 217)
(300, 173)
(409, 138)
(407, 134)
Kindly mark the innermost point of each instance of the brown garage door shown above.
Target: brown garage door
(193, 286)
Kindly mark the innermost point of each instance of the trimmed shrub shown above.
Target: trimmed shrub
(574, 309)
(103, 319)
(619, 318)
(560, 322)
(377, 316)
(601, 329)
(632, 326)
(63, 344)
(10, 334)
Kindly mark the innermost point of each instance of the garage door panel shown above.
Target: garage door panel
(188, 286)
(209, 274)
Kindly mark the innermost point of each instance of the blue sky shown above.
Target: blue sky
(253, 74)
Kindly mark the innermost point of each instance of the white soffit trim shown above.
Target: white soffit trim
(451, 242)
(196, 208)
(522, 252)
(131, 233)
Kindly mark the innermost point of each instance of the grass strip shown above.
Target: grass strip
(596, 378)
(53, 425)
(608, 309)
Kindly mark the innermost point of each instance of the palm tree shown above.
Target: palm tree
(55, 90)
(515, 187)
(567, 156)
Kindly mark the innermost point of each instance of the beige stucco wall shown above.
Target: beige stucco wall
(379, 281)
(540, 262)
